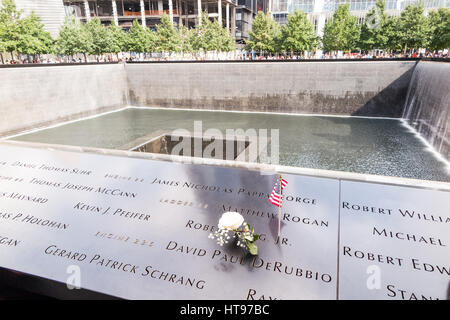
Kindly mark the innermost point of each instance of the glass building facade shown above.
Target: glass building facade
(245, 13)
(319, 11)
(355, 5)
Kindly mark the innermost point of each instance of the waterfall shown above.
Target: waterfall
(126, 83)
(427, 105)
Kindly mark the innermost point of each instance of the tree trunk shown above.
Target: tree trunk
(85, 57)
(1, 56)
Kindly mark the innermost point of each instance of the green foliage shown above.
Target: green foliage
(227, 41)
(208, 33)
(98, 37)
(167, 37)
(150, 40)
(9, 26)
(414, 28)
(197, 35)
(73, 38)
(298, 34)
(22, 35)
(32, 38)
(210, 36)
(250, 237)
(116, 39)
(439, 22)
(265, 34)
(393, 42)
(411, 30)
(137, 40)
(140, 39)
(195, 39)
(185, 39)
(375, 31)
(341, 32)
(252, 248)
(219, 38)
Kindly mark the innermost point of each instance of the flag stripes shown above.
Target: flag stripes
(276, 198)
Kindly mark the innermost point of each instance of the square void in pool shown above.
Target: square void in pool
(362, 145)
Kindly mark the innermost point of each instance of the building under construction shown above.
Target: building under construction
(236, 15)
(149, 12)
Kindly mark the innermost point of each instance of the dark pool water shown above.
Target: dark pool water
(363, 145)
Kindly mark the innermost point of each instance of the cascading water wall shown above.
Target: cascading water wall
(427, 106)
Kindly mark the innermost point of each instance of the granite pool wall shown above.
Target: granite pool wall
(39, 96)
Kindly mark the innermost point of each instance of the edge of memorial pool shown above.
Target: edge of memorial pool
(265, 169)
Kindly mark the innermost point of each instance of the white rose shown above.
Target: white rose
(230, 220)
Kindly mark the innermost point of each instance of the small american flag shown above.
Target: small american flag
(275, 197)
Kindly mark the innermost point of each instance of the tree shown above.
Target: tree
(73, 38)
(98, 37)
(9, 26)
(210, 36)
(137, 38)
(33, 39)
(202, 37)
(298, 34)
(264, 35)
(218, 38)
(206, 33)
(185, 38)
(414, 28)
(195, 39)
(375, 30)
(393, 40)
(341, 32)
(2, 45)
(167, 36)
(22, 35)
(116, 39)
(227, 42)
(150, 40)
(440, 29)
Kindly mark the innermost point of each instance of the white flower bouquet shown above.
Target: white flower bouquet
(233, 222)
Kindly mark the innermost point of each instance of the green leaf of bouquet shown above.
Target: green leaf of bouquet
(252, 248)
(249, 238)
